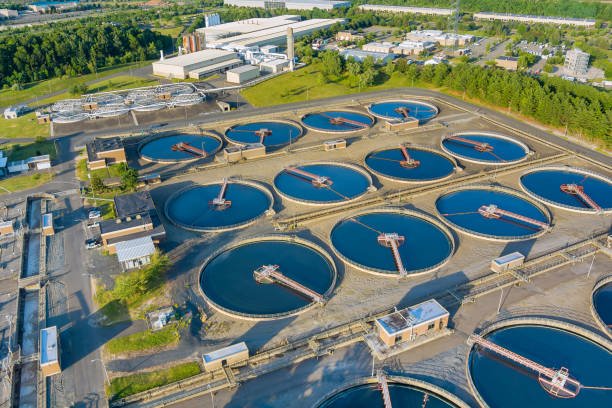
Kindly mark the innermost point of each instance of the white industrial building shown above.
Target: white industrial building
(523, 18)
(196, 64)
(409, 47)
(274, 66)
(577, 61)
(242, 74)
(384, 47)
(262, 31)
(361, 55)
(289, 4)
(8, 13)
(440, 37)
(411, 10)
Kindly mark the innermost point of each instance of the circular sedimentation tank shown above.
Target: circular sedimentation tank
(404, 392)
(602, 304)
(322, 183)
(569, 188)
(404, 110)
(271, 133)
(412, 164)
(180, 147)
(218, 206)
(500, 382)
(485, 148)
(337, 121)
(499, 214)
(229, 283)
(363, 241)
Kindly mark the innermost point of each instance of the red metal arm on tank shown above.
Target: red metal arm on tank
(383, 386)
(408, 162)
(187, 148)
(556, 382)
(271, 274)
(402, 110)
(393, 240)
(316, 180)
(493, 211)
(339, 120)
(219, 200)
(577, 190)
(479, 146)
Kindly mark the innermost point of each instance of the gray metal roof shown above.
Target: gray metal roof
(135, 249)
(48, 345)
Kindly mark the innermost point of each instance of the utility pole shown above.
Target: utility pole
(456, 26)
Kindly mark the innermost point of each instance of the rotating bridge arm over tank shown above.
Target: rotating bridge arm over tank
(478, 146)
(393, 241)
(493, 211)
(271, 274)
(408, 161)
(220, 201)
(383, 386)
(316, 180)
(556, 382)
(577, 190)
(339, 120)
(187, 148)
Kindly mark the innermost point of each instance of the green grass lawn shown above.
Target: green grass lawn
(23, 126)
(171, 31)
(21, 151)
(121, 82)
(110, 171)
(146, 340)
(303, 85)
(24, 182)
(121, 387)
(38, 89)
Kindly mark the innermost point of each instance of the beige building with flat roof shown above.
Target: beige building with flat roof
(196, 64)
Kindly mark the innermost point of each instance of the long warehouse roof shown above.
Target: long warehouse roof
(276, 32)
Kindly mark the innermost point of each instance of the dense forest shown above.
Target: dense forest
(583, 109)
(564, 8)
(74, 48)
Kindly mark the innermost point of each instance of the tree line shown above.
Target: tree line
(581, 109)
(556, 8)
(74, 48)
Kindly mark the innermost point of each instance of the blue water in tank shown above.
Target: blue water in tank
(547, 184)
(461, 208)
(419, 111)
(602, 299)
(369, 396)
(322, 121)
(504, 384)
(347, 183)
(228, 278)
(425, 245)
(191, 207)
(504, 150)
(161, 148)
(282, 133)
(432, 166)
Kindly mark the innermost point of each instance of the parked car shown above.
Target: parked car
(92, 243)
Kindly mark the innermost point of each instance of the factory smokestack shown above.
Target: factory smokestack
(290, 48)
